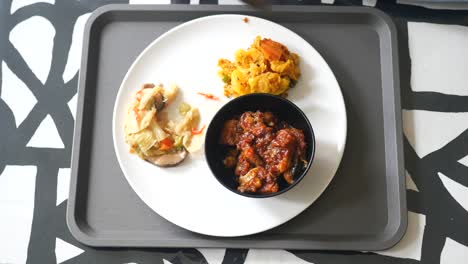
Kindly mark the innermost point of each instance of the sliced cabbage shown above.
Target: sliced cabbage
(131, 123)
(157, 130)
(170, 93)
(184, 108)
(154, 152)
(148, 97)
(136, 120)
(178, 141)
(146, 118)
(170, 125)
(148, 137)
(193, 143)
(142, 140)
(190, 120)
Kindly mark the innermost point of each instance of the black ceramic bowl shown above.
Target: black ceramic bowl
(283, 109)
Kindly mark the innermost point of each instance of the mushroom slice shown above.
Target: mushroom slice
(168, 160)
(159, 101)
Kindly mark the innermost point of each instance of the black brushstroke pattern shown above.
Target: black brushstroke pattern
(234, 256)
(444, 215)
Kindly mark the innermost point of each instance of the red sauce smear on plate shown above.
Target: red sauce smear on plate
(209, 96)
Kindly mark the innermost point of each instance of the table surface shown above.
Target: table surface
(40, 44)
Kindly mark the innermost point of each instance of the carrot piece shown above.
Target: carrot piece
(197, 132)
(209, 96)
(135, 111)
(272, 49)
(166, 144)
(138, 95)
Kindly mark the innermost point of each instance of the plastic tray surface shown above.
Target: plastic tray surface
(364, 207)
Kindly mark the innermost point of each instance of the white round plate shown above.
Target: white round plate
(189, 195)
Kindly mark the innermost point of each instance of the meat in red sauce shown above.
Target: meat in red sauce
(265, 150)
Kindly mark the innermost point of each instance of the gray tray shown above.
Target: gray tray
(364, 208)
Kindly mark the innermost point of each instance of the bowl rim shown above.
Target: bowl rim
(284, 100)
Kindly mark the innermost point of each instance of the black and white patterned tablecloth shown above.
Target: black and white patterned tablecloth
(40, 43)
